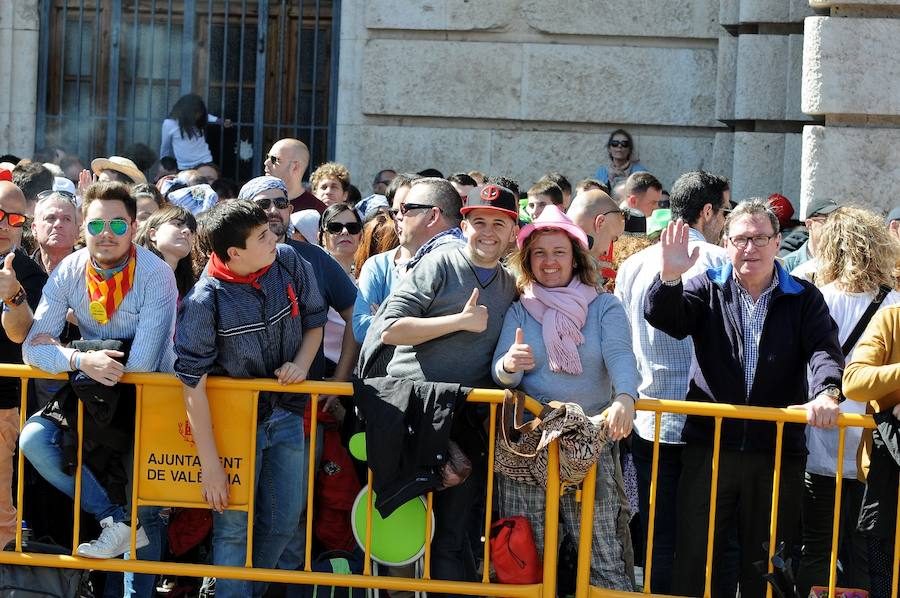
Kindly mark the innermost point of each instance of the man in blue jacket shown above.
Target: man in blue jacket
(756, 330)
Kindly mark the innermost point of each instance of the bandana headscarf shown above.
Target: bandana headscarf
(107, 294)
(195, 199)
(254, 187)
(219, 269)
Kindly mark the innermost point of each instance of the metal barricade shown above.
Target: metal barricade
(154, 391)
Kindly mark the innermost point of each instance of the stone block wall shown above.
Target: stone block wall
(851, 79)
(19, 24)
(521, 87)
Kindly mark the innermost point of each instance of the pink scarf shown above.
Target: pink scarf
(562, 313)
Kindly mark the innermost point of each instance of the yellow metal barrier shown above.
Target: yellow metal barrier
(161, 390)
(161, 424)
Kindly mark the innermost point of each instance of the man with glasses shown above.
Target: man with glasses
(816, 213)
(118, 292)
(598, 215)
(699, 199)
(288, 160)
(756, 331)
(21, 282)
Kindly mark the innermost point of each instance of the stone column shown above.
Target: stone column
(19, 25)
(851, 77)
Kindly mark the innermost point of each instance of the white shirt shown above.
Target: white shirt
(846, 309)
(665, 363)
(188, 152)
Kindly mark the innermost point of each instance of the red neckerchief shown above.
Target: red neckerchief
(218, 269)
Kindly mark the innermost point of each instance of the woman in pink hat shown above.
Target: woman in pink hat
(566, 340)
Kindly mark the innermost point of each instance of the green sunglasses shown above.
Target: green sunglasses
(118, 226)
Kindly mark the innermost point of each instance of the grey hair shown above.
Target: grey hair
(752, 207)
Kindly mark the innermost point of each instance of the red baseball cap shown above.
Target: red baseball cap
(782, 207)
(5, 175)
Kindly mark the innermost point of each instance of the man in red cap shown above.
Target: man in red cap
(452, 304)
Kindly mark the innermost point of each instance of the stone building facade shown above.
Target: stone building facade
(792, 96)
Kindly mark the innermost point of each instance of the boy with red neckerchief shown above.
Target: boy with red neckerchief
(255, 313)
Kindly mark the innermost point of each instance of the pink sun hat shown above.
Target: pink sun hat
(553, 218)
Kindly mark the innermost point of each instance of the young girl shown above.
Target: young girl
(183, 134)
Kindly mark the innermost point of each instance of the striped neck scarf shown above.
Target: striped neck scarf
(107, 294)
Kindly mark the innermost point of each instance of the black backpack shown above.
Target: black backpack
(21, 581)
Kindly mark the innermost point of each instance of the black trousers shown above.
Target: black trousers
(743, 503)
(818, 516)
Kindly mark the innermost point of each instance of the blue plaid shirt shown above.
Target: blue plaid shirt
(753, 318)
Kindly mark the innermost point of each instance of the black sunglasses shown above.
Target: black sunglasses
(280, 202)
(335, 228)
(406, 207)
(66, 195)
(626, 215)
(617, 143)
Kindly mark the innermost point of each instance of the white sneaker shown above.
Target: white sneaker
(114, 540)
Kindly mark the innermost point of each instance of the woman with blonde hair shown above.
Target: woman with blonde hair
(857, 260)
(566, 340)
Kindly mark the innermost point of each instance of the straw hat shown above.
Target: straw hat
(119, 164)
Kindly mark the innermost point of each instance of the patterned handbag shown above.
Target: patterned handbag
(521, 447)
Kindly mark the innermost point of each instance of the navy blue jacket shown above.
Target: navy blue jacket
(798, 332)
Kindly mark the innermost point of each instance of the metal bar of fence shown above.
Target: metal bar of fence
(896, 565)
(651, 519)
(429, 509)
(136, 464)
(551, 520)
(836, 525)
(251, 502)
(151, 73)
(187, 46)
(20, 462)
(367, 563)
(315, 77)
(135, 50)
(713, 490)
(489, 498)
(76, 526)
(310, 481)
(585, 534)
(776, 487)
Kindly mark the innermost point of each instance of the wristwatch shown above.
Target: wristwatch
(17, 299)
(832, 392)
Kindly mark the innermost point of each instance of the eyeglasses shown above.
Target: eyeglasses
(273, 159)
(14, 219)
(406, 207)
(619, 143)
(280, 202)
(335, 228)
(758, 241)
(66, 195)
(118, 226)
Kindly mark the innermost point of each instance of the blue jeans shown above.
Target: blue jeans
(280, 496)
(294, 554)
(40, 442)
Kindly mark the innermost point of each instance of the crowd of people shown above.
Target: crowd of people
(600, 295)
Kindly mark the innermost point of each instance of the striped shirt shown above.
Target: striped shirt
(665, 363)
(753, 318)
(146, 315)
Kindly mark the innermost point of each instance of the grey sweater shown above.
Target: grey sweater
(440, 285)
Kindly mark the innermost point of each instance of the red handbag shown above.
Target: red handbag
(513, 551)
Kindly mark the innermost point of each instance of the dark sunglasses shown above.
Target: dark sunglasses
(406, 207)
(66, 195)
(335, 228)
(617, 143)
(118, 226)
(14, 219)
(273, 159)
(280, 202)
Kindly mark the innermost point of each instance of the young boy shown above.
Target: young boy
(255, 312)
(445, 319)
(542, 194)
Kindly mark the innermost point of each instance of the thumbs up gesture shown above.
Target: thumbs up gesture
(473, 317)
(519, 357)
(9, 284)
